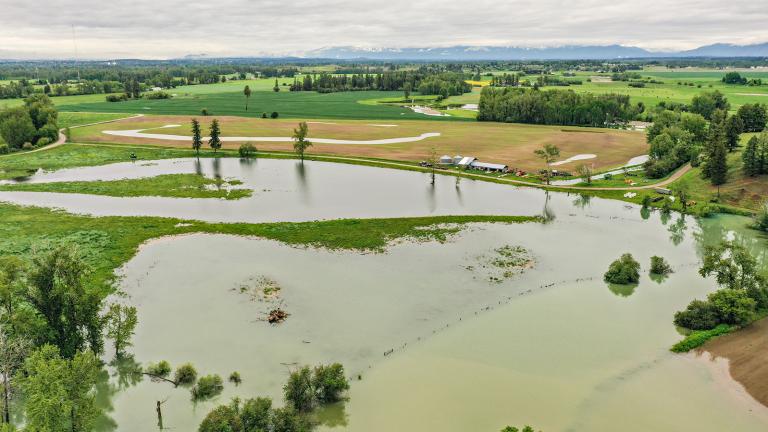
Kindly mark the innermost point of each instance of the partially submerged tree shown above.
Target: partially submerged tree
(12, 354)
(59, 392)
(623, 271)
(549, 154)
(120, 323)
(659, 266)
(57, 291)
(300, 143)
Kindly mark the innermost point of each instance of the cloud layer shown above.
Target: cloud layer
(173, 28)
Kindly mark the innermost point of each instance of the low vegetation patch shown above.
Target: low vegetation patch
(108, 242)
(167, 185)
(504, 262)
(699, 337)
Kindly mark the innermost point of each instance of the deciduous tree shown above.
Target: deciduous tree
(549, 154)
(300, 143)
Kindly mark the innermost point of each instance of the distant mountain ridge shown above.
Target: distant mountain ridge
(568, 52)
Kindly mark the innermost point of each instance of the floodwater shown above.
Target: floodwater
(554, 347)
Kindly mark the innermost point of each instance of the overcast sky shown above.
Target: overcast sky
(174, 28)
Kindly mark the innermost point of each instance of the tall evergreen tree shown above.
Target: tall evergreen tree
(197, 139)
(718, 171)
(215, 141)
(734, 126)
(751, 159)
(716, 137)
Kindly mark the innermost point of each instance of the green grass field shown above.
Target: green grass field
(670, 91)
(70, 119)
(287, 104)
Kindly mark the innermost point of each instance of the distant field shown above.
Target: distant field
(670, 91)
(512, 144)
(69, 119)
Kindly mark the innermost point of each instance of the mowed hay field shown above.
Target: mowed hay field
(512, 144)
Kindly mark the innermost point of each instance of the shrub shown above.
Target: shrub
(623, 271)
(263, 115)
(761, 218)
(274, 115)
(207, 387)
(734, 306)
(4, 149)
(699, 338)
(247, 150)
(647, 201)
(116, 98)
(660, 266)
(156, 95)
(204, 112)
(43, 142)
(27, 146)
(329, 382)
(699, 315)
(185, 374)
(161, 369)
(235, 378)
(48, 131)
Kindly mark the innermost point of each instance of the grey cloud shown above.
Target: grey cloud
(169, 28)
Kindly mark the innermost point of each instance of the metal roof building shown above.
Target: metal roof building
(485, 166)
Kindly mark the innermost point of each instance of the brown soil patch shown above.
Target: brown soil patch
(512, 144)
(747, 354)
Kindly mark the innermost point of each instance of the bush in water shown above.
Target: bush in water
(624, 270)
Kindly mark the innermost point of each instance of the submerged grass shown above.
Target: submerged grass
(108, 242)
(167, 185)
(700, 337)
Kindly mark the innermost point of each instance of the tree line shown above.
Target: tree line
(554, 107)
(703, 135)
(441, 83)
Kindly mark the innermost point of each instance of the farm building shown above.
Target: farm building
(446, 160)
(469, 162)
(465, 162)
(490, 167)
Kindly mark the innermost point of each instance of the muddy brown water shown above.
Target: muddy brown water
(554, 347)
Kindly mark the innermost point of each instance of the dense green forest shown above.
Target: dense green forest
(555, 107)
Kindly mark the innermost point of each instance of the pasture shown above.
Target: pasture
(512, 144)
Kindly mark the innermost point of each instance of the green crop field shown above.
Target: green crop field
(671, 91)
(288, 104)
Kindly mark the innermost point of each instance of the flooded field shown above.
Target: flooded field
(434, 336)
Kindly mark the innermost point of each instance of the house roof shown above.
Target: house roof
(466, 160)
